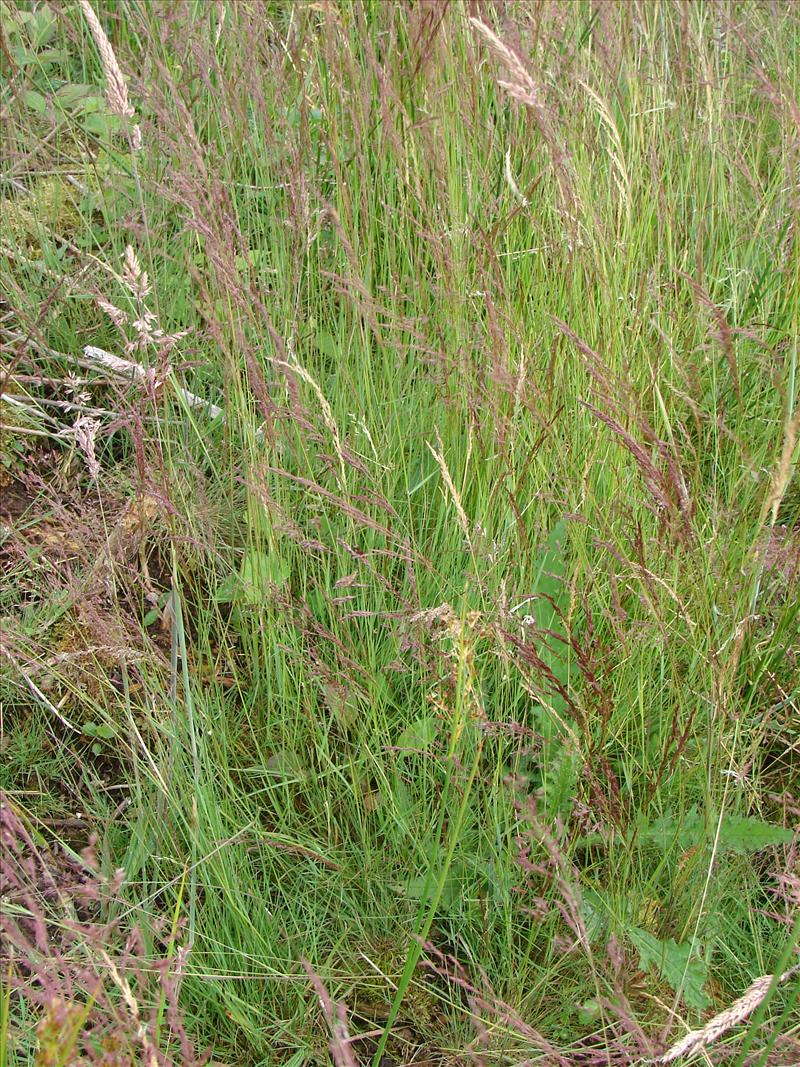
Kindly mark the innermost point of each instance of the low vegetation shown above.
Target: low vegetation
(401, 532)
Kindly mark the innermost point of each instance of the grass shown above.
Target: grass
(448, 673)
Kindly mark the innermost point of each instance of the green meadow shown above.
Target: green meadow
(400, 533)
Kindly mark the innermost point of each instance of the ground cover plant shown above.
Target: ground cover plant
(401, 532)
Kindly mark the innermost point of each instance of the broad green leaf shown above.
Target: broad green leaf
(260, 570)
(41, 27)
(34, 101)
(73, 92)
(100, 123)
(103, 730)
(53, 55)
(419, 734)
(452, 890)
(675, 963)
(595, 913)
(286, 763)
(226, 594)
(589, 1012)
(328, 345)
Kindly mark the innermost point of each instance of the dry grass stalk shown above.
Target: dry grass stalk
(123, 985)
(85, 432)
(732, 1016)
(123, 368)
(510, 180)
(336, 1018)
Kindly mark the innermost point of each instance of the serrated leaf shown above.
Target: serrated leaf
(742, 834)
(23, 56)
(738, 833)
(559, 782)
(679, 967)
(42, 27)
(666, 832)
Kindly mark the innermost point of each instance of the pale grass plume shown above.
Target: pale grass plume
(616, 152)
(151, 1057)
(696, 1040)
(454, 495)
(522, 86)
(133, 372)
(327, 413)
(782, 474)
(117, 315)
(116, 85)
(144, 326)
(515, 189)
(134, 276)
(85, 430)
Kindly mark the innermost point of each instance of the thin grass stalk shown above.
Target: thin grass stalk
(430, 900)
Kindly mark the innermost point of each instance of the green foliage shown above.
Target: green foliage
(677, 964)
(258, 573)
(732, 833)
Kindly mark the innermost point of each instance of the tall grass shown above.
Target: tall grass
(402, 584)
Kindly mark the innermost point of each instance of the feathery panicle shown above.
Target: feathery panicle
(117, 315)
(720, 1024)
(85, 431)
(448, 481)
(522, 86)
(116, 86)
(783, 470)
(134, 277)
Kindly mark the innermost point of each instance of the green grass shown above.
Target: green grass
(469, 630)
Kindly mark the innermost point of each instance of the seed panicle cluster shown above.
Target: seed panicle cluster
(696, 1040)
